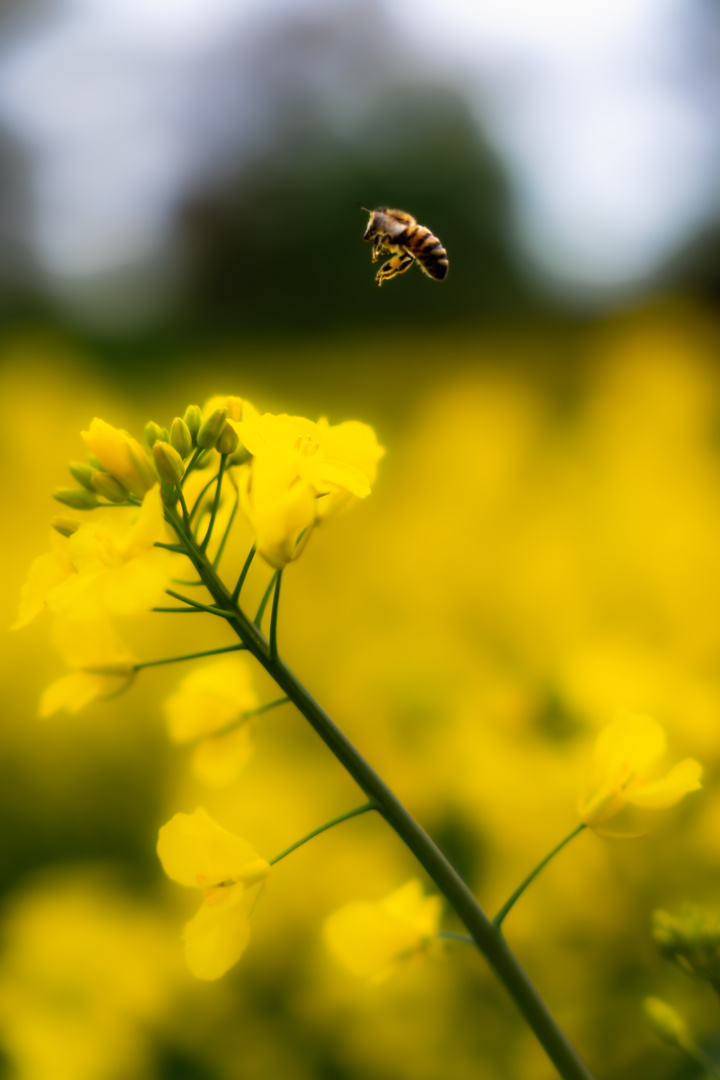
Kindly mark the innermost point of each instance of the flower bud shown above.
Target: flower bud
(83, 473)
(211, 428)
(110, 488)
(168, 462)
(65, 526)
(692, 941)
(78, 498)
(144, 473)
(240, 457)
(193, 419)
(180, 437)
(153, 432)
(228, 440)
(667, 1024)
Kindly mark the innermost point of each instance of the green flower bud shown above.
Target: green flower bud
(78, 498)
(153, 432)
(240, 457)
(83, 473)
(668, 1025)
(692, 941)
(145, 474)
(193, 419)
(211, 428)
(65, 526)
(228, 440)
(110, 488)
(168, 462)
(180, 437)
(96, 463)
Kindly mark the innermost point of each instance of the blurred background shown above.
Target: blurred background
(178, 218)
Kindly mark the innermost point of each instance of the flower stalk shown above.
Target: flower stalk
(487, 936)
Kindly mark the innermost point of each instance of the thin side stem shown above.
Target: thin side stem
(198, 501)
(264, 602)
(222, 612)
(453, 935)
(487, 937)
(186, 516)
(233, 725)
(497, 921)
(190, 656)
(228, 527)
(216, 503)
(243, 574)
(322, 828)
(274, 617)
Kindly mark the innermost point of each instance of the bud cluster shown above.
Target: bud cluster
(691, 940)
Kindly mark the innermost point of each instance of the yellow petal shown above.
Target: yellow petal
(46, 573)
(197, 852)
(218, 761)
(369, 939)
(629, 746)
(209, 698)
(217, 936)
(72, 692)
(681, 779)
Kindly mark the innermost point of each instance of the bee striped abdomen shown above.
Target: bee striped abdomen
(428, 251)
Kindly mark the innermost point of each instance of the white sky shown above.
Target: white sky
(612, 151)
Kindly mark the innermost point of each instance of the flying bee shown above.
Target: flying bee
(393, 232)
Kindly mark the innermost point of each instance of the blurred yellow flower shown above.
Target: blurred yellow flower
(197, 852)
(103, 665)
(370, 939)
(110, 564)
(209, 700)
(237, 408)
(300, 472)
(121, 456)
(624, 752)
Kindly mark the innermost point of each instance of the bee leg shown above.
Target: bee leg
(397, 265)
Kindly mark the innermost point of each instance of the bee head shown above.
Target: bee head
(373, 227)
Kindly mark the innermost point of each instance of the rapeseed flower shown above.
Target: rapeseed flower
(371, 939)
(624, 752)
(103, 665)
(197, 852)
(109, 565)
(301, 472)
(209, 701)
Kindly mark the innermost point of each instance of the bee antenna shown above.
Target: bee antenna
(365, 208)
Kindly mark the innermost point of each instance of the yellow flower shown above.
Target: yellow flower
(237, 408)
(103, 665)
(209, 700)
(110, 564)
(371, 939)
(197, 852)
(624, 752)
(121, 456)
(46, 572)
(301, 472)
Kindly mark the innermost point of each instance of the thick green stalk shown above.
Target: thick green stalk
(486, 936)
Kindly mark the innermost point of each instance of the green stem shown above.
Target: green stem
(497, 921)
(232, 725)
(264, 602)
(192, 463)
(177, 549)
(487, 937)
(198, 501)
(322, 828)
(222, 612)
(190, 656)
(274, 617)
(228, 527)
(243, 575)
(187, 518)
(705, 1061)
(452, 935)
(216, 503)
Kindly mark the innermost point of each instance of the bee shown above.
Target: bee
(393, 232)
